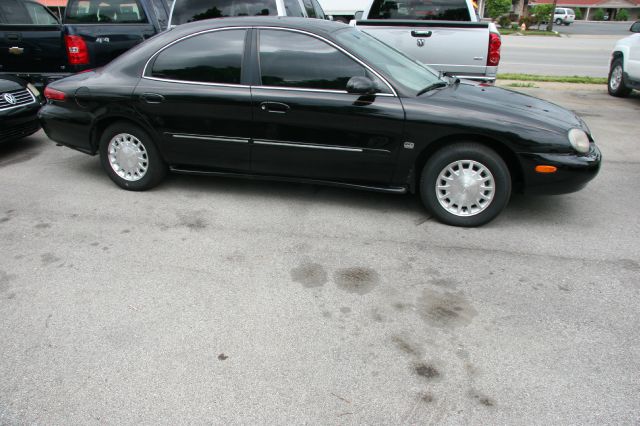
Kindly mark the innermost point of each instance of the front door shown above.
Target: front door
(192, 93)
(307, 125)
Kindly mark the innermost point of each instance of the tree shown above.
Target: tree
(553, 10)
(543, 13)
(578, 13)
(496, 8)
(598, 15)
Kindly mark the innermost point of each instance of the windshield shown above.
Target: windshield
(196, 10)
(410, 74)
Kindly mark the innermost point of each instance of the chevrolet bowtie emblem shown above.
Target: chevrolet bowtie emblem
(16, 50)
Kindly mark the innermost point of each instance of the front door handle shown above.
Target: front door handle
(14, 37)
(275, 107)
(152, 98)
(421, 34)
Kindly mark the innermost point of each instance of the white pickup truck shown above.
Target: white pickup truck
(624, 72)
(443, 34)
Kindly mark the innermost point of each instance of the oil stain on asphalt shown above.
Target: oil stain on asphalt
(310, 275)
(356, 280)
(445, 310)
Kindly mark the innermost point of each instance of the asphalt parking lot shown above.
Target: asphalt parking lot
(212, 300)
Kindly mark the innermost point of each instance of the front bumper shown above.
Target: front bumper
(574, 171)
(19, 122)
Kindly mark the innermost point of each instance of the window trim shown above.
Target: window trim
(332, 44)
(202, 83)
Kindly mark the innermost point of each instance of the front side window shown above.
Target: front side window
(289, 59)
(292, 8)
(12, 12)
(196, 10)
(448, 10)
(311, 13)
(105, 12)
(39, 14)
(214, 57)
(319, 12)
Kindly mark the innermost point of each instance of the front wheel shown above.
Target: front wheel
(558, 21)
(616, 84)
(465, 184)
(130, 157)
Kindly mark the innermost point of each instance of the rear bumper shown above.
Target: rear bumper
(19, 123)
(68, 127)
(574, 171)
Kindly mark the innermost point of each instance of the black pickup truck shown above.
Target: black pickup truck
(34, 45)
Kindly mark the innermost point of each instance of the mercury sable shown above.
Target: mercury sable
(317, 102)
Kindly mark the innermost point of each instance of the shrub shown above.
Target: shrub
(504, 21)
(497, 8)
(622, 15)
(598, 15)
(578, 13)
(542, 13)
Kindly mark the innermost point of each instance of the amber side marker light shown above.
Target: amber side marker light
(546, 169)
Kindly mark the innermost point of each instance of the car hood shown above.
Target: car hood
(8, 85)
(505, 106)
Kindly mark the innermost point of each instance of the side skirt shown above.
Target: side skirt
(385, 189)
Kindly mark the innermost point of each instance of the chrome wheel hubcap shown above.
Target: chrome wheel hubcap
(465, 188)
(616, 78)
(128, 157)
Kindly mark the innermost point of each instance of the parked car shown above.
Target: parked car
(19, 105)
(564, 16)
(36, 47)
(344, 10)
(184, 11)
(444, 34)
(624, 69)
(316, 101)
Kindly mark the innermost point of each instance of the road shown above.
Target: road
(576, 55)
(619, 29)
(223, 301)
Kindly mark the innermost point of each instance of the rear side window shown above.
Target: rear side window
(105, 12)
(25, 13)
(448, 10)
(292, 8)
(196, 10)
(311, 13)
(214, 57)
(295, 60)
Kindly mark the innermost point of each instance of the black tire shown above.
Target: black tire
(156, 168)
(622, 90)
(558, 21)
(463, 151)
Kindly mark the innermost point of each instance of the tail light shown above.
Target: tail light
(493, 58)
(54, 95)
(76, 50)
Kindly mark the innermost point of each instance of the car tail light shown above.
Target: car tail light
(54, 95)
(76, 50)
(493, 58)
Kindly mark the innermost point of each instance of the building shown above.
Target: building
(588, 7)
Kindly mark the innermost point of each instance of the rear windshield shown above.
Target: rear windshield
(104, 12)
(25, 13)
(196, 10)
(445, 10)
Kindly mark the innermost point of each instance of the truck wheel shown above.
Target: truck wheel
(130, 157)
(465, 184)
(616, 84)
(558, 21)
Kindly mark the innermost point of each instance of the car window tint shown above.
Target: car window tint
(292, 8)
(195, 10)
(105, 12)
(12, 12)
(289, 59)
(308, 6)
(214, 57)
(39, 14)
(318, 9)
(449, 10)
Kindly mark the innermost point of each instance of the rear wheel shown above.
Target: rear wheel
(130, 157)
(465, 184)
(558, 21)
(616, 84)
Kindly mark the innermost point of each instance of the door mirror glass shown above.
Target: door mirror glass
(358, 15)
(361, 86)
(635, 28)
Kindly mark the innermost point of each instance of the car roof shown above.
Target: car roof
(320, 26)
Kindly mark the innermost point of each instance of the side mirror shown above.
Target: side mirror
(358, 15)
(635, 28)
(361, 86)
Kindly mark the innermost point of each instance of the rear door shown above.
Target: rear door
(31, 38)
(108, 27)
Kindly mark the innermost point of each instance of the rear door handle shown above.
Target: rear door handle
(275, 107)
(421, 34)
(14, 37)
(152, 98)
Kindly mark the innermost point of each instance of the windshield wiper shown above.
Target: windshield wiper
(435, 85)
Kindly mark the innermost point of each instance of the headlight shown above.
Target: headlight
(579, 140)
(33, 90)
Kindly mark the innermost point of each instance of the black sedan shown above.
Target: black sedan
(19, 105)
(319, 102)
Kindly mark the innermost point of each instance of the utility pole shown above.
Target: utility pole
(553, 12)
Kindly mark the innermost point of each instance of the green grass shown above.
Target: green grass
(522, 85)
(507, 31)
(553, 78)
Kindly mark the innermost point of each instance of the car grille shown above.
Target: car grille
(19, 131)
(21, 97)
